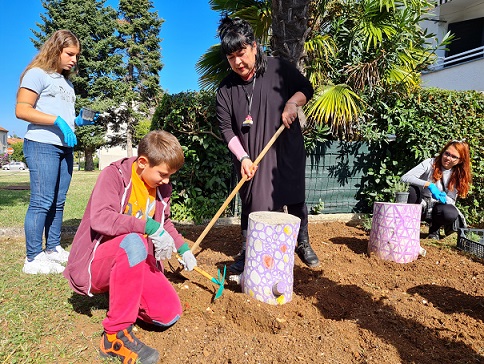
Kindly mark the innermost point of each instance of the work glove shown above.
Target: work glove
(188, 259)
(443, 198)
(162, 241)
(69, 136)
(437, 194)
(86, 117)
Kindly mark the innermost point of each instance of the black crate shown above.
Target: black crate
(468, 245)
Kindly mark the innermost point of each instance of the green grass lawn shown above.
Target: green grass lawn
(15, 193)
(41, 319)
(37, 319)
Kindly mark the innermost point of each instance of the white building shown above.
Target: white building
(107, 155)
(3, 140)
(461, 66)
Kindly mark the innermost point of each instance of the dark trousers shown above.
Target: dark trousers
(442, 214)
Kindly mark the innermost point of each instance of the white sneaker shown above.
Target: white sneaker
(58, 255)
(42, 265)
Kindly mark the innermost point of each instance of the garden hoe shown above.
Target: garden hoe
(221, 281)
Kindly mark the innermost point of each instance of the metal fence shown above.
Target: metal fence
(333, 176)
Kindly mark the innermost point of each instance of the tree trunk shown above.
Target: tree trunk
(129, 141)
(88, 159)
(290, 29)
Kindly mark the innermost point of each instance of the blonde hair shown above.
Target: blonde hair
(49, 54)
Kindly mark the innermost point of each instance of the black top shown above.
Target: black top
(280, 178)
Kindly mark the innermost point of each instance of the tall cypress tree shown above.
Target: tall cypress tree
(138, 32)
(97, 82)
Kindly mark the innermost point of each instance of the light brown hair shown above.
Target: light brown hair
(49, 54)
(159, 146)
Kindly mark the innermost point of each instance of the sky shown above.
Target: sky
(189, 29)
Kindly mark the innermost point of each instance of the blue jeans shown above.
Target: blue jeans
(50, 169)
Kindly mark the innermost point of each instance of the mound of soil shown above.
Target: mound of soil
(354, 308)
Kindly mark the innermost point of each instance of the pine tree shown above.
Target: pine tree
(138, 29)
(97, 82)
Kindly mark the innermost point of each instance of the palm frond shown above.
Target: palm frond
(335, 105)
(231, 6)
(403, 76)
(321, 46)
(212, 68)
(259, 17)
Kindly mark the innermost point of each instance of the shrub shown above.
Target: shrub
(202, 185)
(423, 123)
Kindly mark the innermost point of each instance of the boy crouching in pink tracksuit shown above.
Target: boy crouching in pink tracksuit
(124, 233)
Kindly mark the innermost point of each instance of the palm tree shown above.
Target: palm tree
(212, 66)
(379, 52)
(290, 30)
(353, 51)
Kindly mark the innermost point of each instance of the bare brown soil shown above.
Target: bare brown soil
(354, 308)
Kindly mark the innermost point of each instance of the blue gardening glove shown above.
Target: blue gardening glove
(443, 197)
(86, 117)
(69, 136)
(436, 193)
(188, 259)
(162, 241)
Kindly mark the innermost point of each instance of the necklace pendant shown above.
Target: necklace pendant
(248, 121)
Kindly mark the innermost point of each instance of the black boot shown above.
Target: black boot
(434, 232)
(239, 260)
(304, 250)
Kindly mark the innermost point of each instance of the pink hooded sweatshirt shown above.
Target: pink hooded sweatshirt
(104, 219)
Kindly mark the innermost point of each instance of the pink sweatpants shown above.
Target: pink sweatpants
(136, 286)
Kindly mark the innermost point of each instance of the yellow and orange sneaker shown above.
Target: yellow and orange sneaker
(125, 346)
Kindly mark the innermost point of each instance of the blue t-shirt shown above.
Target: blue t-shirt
(56, 97)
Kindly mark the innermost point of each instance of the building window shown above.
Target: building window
(468, 35)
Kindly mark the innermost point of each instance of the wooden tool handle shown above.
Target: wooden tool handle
(203, 273)
(197, 269)
(236, 189)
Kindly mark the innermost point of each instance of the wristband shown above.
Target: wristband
(183, 248)
(244, 157)
(151, 226)
(292, 102)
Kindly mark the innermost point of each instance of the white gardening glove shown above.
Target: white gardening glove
(188, 260)
(163, 243)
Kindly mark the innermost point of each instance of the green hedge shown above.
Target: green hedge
(423, 123)
(203, 184)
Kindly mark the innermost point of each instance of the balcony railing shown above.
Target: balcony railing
(442, 62)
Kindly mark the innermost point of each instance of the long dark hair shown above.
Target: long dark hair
(236, 34)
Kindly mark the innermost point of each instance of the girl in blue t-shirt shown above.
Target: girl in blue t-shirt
(46, 100)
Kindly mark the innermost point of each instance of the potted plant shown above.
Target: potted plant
(401, 192)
